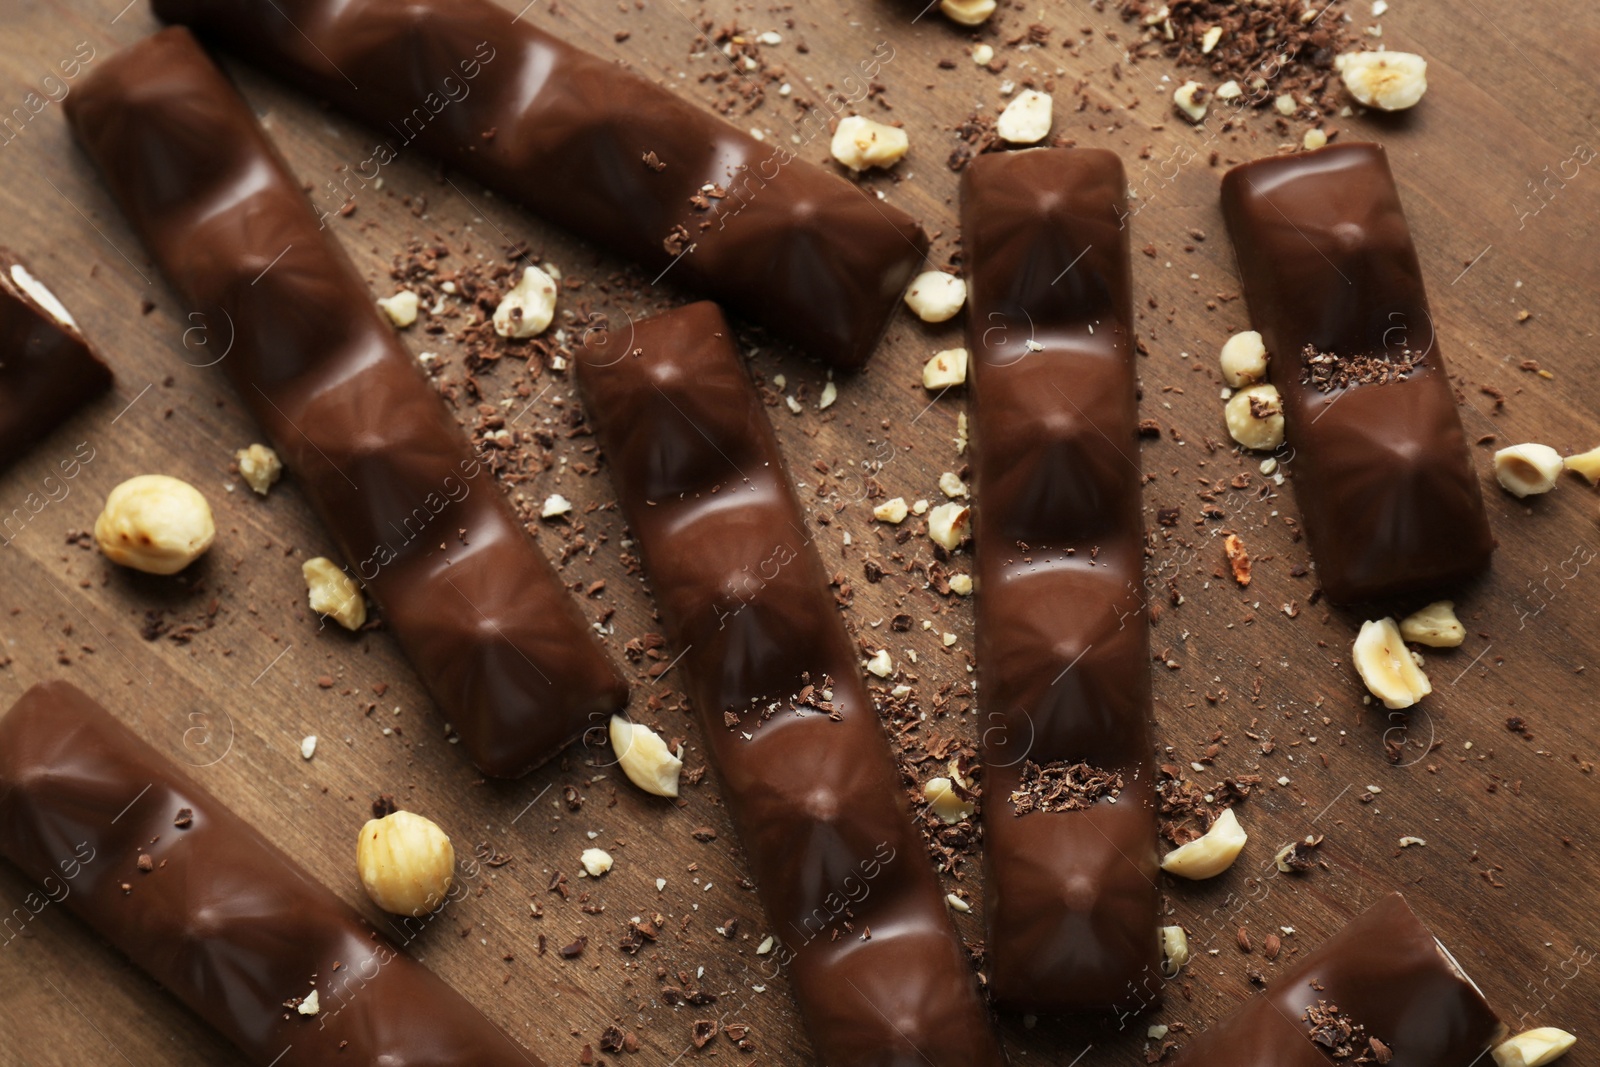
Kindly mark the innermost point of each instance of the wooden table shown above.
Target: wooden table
(1505, 877)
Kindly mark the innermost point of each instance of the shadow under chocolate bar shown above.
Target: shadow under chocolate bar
(209, 908)
(1381, 471)
(416, 514)
(48, 369)
(1062, 629)
(805, 769)
(594, 147)
(1385, 974)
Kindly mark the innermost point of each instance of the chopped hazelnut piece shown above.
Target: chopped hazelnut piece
(1027, 119)
(1211, 854)
(1392, 672)
(260, 467)
(862, 144)
(1534, 1048)
(1389, 81)
(1527, 470)
(945, 370)
(1435, 626)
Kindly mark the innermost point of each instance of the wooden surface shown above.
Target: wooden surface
(1506, 876)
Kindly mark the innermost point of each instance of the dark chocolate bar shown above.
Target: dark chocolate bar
(48, 370)
(212, 910)
(1385, 974)
(1386, 488)
(417, 516)
(864, 932)
(1062, 632)
(614, 157)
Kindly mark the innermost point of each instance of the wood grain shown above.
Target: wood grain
(1512, 94)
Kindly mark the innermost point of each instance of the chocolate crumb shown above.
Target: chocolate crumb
(185, 818)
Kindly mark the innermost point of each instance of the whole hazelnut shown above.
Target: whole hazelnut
(406, 862)
(155, 524)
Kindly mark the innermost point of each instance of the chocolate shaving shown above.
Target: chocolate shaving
(1342, 1037)
(1328, 372)
(1060, 786)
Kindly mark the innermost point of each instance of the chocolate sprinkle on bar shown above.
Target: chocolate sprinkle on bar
(1327, 371)
(1060, 786)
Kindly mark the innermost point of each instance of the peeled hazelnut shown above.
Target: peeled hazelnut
(1255, 417)
(1534, 1048)
(1244, 359)
(401, 307)
(961, 584)
(951, 485)
(893, 511)
(406, 862)
(260, 467)
(1390, 670)
(1435, 626)
(1210, 855)
(1527, 470)
(1027, 119)
(1586, 464)
(936, 296)
(1174, 950)
(945, 369)
(334, 593)
(155, 524)
(945, 801)
(862, 144)
(645, 758)
(1389, 81)
(967, 12)
(947, 525)
(1191, 101)
(596, 861)
(526, 310)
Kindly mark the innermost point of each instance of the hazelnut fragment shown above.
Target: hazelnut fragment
(862, 144)
(1389, 81)
(401, 308)
(1027, 119)
(1585, 464)
(892, 511)
(947, 525)
(1435, 626)
(1191, 101)
(1527, 470)
(936, 296)
(334, 593)
(945, 369)
(1392, 672)
(260, 467)
(644, 757)
(1174, 950)
(1211, 854)
(527, 310)
(968, 12)
(1534, 1048)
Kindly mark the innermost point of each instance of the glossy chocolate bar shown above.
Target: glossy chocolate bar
(48, 370)
(213, 911)
(864, 932)
(417, 516)
(1384, 973)
(612, 156)
(1062, 632)
(1386, 488)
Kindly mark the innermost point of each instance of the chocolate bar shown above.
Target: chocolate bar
(1062, 633)
(416, 514)
(212, 910)
(48, 370)
(1387, 491)
(871, 952)
(610, 155)
(1382, 990)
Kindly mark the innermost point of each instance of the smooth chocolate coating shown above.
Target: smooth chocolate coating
(1387, 491)
(1062, 632)
(418, 518)
(223, 919)
(588, 144)
(48, 370)
(867, 939)
(1384, 971)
